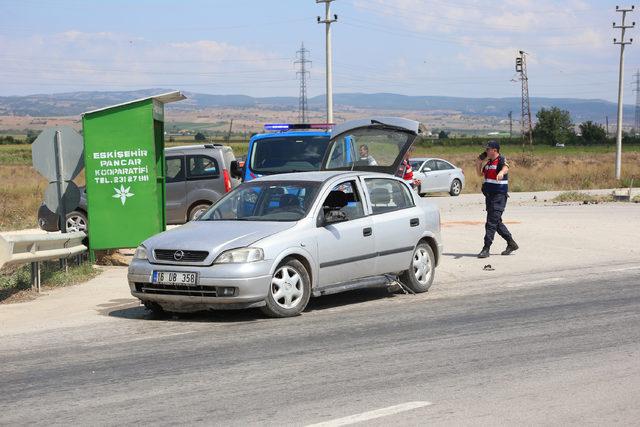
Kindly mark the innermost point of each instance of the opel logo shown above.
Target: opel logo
(178, 255)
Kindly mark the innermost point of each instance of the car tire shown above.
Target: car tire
(456, 187)
(155, 308)
(419, 276)
(197, 211)
(289, 290)
(420, 192)
(77, 221)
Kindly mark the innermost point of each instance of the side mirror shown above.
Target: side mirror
(426, 169)
(332, 216)
(236, 170)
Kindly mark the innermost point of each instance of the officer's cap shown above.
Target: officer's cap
(493, 144)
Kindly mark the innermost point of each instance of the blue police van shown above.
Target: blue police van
(286, 148)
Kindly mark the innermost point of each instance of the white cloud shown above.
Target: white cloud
(75, 60)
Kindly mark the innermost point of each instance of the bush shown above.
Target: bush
(592, 133)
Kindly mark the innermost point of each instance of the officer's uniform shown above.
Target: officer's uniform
(496, 193)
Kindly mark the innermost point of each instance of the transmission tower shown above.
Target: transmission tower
(527, 130)
(636, 126)
(303, 73)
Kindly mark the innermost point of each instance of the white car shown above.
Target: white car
(437, 175)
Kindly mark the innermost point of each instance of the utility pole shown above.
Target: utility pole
(510, 124)
(230, 129)
(328, 20)
(303, 73)
(636, 125)
(623, 27)
(527, 130)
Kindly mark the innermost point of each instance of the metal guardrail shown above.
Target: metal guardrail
(16, 249)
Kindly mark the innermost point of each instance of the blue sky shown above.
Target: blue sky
(415, 47)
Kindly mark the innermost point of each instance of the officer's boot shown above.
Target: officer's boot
(484, 253)
(511, 246)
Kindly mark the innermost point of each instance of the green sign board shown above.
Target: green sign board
(124, 171)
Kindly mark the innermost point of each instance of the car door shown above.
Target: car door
(345, 249)
(176, 190)
(204, 182)
(446, 171)
(396, 223)
(430, 174)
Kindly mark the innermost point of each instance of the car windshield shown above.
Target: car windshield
(265, 201)
(288, 154)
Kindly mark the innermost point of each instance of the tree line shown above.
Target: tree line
(553, 126)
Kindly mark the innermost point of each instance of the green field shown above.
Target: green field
(550, 168)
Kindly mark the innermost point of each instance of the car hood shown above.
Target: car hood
(215, 237)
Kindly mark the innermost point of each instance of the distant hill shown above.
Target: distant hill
(74, 103)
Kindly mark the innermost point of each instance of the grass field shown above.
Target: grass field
(550, 168)
(15, 282)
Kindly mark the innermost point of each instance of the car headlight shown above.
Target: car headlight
(240, 255)
(141, 253)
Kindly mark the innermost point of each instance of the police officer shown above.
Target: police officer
(495, 170)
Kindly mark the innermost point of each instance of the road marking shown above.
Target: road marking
(624, 269)
(370, 415)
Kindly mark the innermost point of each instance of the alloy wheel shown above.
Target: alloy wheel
(421, 265)
(286, 287)
(76, 223)
(455, 187)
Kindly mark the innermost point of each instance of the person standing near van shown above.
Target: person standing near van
(495, 170)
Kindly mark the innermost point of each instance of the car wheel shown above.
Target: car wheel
(289, 290)
(456, 187)
(155, 308)
(77, 221)
(419, 276)
(197, 211)
(420, 192)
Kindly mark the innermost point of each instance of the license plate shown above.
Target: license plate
(174, 278)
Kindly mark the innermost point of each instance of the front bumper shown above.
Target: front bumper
(251, 280)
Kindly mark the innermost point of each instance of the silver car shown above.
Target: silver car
(437, 175)
(276, 241)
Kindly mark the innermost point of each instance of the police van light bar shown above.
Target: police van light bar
(299, 126)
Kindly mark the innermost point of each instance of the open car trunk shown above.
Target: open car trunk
(376, 144)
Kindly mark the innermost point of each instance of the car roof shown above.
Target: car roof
(293, 134)
(197, 147)
(320, 176)
(424, 159)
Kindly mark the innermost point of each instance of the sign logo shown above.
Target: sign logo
(122, 194)
(178, 255)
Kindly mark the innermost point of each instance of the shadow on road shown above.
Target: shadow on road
(459, 255)
(126, 309)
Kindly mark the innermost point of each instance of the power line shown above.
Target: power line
(302, 74)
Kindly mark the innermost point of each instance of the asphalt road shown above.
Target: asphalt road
(560, 350)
